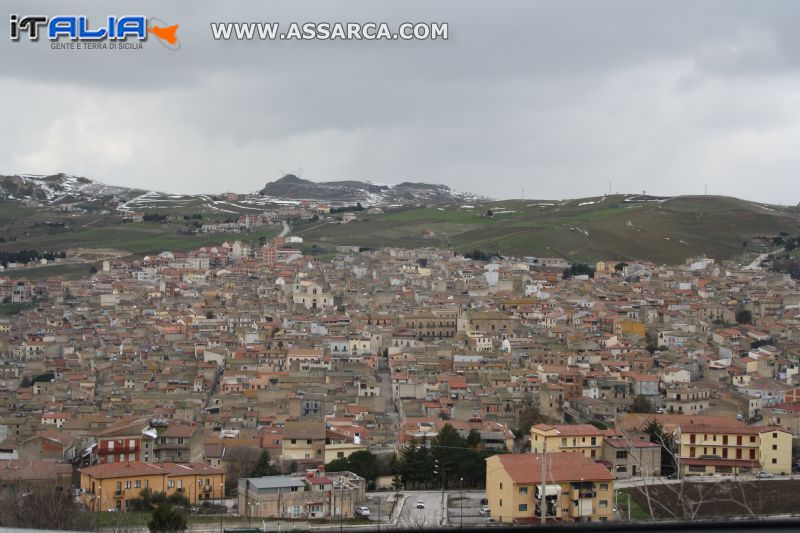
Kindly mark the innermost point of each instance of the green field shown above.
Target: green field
(602, 228)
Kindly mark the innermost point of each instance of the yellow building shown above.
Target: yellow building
(717, 449)
(113, 485)
(342, 450)
(583, 438)
(577, 488)
(629, 327)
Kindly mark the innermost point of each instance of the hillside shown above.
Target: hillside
(290, 187)
(61, 212)
(664, 230)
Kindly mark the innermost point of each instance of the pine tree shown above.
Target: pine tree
(263, 466)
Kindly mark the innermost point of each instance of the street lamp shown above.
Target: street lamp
(461, 514)
(221, 503)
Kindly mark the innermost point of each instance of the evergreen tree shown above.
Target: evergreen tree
(448, 450)
(167, 519)
(263, 466)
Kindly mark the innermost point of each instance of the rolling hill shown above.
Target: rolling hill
(664, 230)
(59, 212)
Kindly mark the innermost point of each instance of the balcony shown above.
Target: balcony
(583, 509)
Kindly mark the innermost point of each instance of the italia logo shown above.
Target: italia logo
(77, 28)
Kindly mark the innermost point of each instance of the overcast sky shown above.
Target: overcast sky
(559, 98)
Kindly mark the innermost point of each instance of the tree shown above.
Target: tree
(364, 463)
(167, 519)
(657, 434)
(43, 506)
(642, 405)
(489, 213)
(578, 269)
(619, 267)
(93, 270)
(263, 466)
(744, 316)
(448, 450)
(210, 314)
(530, 416)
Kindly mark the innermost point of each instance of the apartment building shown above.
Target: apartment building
(114, 485)
(726, 450)
(577, 489)
(583, 438)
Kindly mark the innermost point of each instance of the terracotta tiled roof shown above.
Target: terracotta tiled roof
(527, 467)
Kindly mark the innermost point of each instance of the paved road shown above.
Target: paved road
(757, 261)
(433, 515)
(286, 229)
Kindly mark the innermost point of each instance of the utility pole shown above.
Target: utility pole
(542, 508)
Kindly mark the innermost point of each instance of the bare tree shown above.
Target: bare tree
(682, 499)
(43, 507)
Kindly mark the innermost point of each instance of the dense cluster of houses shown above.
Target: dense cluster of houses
(177, 369)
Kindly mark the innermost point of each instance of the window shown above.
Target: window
(603, 486)
(563, 441)
(523, 507)
(170, 484)
(294, 441)
(774, 461)
(501, 486)
(501, 502)
(594, 441)
(774, 446)
(752, 438)
(523, 490)
(774, 435)
(622, 454)
(131, 457)
(603, 504)
(128, 484)
(137, 484)
(622, 468)
(146, 483)
(111, 445)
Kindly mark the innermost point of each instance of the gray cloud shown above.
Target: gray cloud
(558, 97)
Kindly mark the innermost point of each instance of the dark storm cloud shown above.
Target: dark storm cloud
(559, 98)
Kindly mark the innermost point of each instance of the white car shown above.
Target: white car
(485, 511)
(363, 511)
(764, 475)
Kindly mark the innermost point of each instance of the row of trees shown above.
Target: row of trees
(445, 460)
(26, 256)
(578, 269)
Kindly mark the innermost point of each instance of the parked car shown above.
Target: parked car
(484, 501)
(363, 511)
(420, 504)
(485, 511)
(764, 475)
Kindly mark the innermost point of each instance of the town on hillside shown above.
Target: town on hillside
(410, 388)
